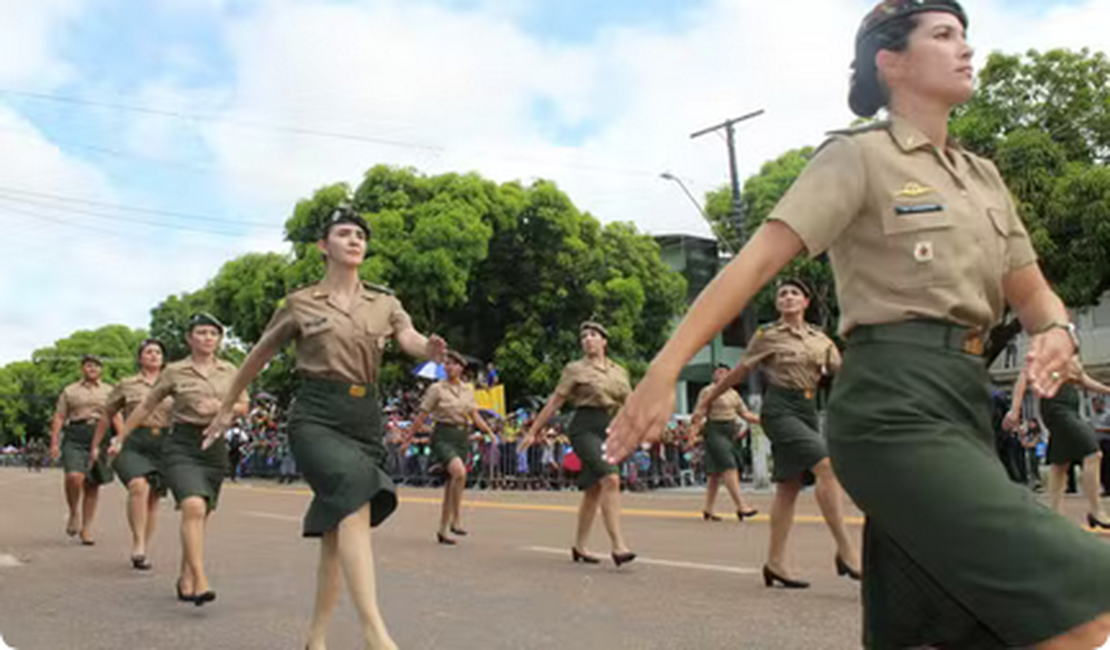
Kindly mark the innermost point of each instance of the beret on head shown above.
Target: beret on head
(595, 326)
(204, 318)
(889, 10)
(344, 213)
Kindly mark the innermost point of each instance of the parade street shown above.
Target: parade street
(509, 584)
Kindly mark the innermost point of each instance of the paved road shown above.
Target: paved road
(510, 584)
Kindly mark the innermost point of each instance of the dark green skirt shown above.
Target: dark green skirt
(77, 450)
(141, 457)
(587, 433)
(190, 471)
(723, 452)
(1070, 439)
(449, 441)
(956, 555)
(335, 431)
(790, 421)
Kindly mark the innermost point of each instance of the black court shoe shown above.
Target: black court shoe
(181, 594)
(458, 531)
(445, 540)
(842, 569)
(579, 556)
(206, 597)
(140, 562)
(709, 516)
(746, 514)
(770, 578)
(623, 558)
(1095, 523)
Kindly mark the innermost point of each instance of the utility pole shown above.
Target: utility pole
(748, 316)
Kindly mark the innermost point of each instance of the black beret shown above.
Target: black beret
(889, 10)
(344, 213)
(204, 318)
(595, 326)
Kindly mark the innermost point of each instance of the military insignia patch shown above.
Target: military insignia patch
(923, 251)
(913, 190)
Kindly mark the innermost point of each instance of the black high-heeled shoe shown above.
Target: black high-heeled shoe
(181, 594)
(623, 558)
(458, 531)
(1096, 523)
(709, 516)
(579, 556)
(206, 597)
(770, 578)
(140, 562)
(445, 540)
(745, 514)
(842, 569)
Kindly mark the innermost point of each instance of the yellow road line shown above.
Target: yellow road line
(542, 507)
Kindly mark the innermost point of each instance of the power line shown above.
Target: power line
(200, 117)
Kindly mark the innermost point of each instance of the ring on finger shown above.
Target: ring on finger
(1055, 375)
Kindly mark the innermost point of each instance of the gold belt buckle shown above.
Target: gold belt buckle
(156, 431)
(357, 390)
(809, 393)
(973, 343)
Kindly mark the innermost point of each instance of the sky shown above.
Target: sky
(143, 144)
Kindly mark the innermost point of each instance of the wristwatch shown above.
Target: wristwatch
(1067, 327)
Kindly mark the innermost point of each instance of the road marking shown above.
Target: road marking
(673, 564)
(542, 507)
(270, 515)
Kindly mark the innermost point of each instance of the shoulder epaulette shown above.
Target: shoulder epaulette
(378, 288)
(866, 127)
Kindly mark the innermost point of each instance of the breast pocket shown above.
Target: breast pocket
(921, 237)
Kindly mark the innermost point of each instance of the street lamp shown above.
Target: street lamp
(712, 226)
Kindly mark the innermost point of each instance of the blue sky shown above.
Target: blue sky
(600, 96)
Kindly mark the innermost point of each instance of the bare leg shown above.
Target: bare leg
(447, 505)
(1057, 481)
(356, 558)
(587, 510)
(782, 519)
(74, 483)
(138, 504)
(1091, 486)
(711, 488)
(732, 484)
(458, 477)
(327, 590)
(830, 498)
(193, 518)
(88, 508)
(151, 515)
(1088, 636)
(611, 511)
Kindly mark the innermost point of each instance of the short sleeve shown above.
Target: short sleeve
(62, 406)
(430, 399)
(116, 399)
(1019, 248)
(399, 319)
(283, 324)
(834, 359)
(567, 381)
(163, 388)
(826, 197)
(625, 384)
(757, 352)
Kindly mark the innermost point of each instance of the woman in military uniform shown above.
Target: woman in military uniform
(596, 386)
(79, 408)
(715, 420)
(139, 463)
(794, 356)
(194, 474)
(340, 327)
(1071, 440)
(453, 406)
(927, 248)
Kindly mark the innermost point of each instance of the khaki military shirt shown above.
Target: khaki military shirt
(594, 385)
(725, 408)
(130, 392)
(336, 344)
(449, 403)
(912, 232)
(82, 401)
(196, 397)
(792, 358)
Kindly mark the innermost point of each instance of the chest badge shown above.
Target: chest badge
(923, 251)
(913, 190)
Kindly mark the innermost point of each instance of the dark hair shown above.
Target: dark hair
(868, 93)
(146, 344)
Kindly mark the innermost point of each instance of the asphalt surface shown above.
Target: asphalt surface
(510, 584)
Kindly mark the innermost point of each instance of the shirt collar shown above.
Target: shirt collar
(910, 138)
